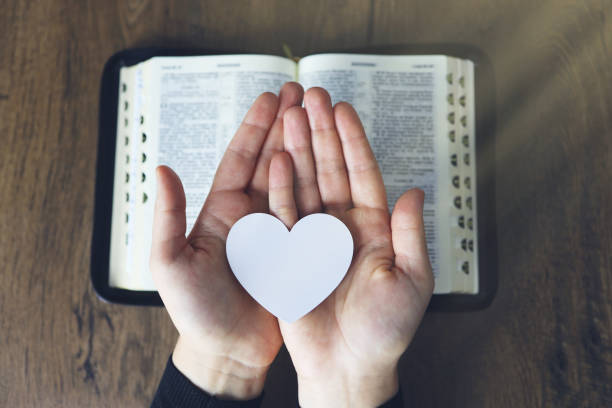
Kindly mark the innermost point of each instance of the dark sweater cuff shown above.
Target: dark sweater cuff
(175, 390)
(396, 402)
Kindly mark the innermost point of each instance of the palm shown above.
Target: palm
(213, 307)
(359, 322)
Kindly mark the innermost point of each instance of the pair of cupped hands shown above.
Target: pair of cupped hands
(292, 161)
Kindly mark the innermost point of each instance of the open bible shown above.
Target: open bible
(418, 112)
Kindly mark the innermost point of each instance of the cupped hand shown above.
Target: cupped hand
(346, 350)
(227, 340)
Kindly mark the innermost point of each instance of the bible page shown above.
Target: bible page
(401, 101)
(190, 109)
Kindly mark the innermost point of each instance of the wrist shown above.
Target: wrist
(348, 389)
(220, 376)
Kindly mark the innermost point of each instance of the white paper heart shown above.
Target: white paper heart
(289, 272)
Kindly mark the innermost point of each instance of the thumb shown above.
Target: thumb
(169, 222)
(408, 235)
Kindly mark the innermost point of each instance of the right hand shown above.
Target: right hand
(346, 350)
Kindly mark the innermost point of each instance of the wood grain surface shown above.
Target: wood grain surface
(545, 341)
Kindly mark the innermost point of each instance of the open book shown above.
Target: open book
(418, 113)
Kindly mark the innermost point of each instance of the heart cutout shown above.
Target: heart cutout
(289, 272)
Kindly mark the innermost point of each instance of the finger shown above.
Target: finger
(169, 222)
(291, 94)
(299, 147)
(282, 202)
(238, 163)
(329, 160)
(408, 235)
(367, 187)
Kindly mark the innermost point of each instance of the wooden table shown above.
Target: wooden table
(545, 341)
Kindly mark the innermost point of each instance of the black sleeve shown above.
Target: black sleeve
(396, 402)
(175, 390)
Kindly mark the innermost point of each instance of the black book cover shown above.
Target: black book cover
(485, 167)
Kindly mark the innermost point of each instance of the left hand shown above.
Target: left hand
(227, 340)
